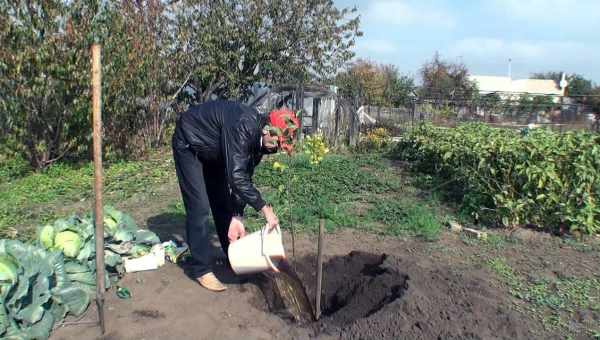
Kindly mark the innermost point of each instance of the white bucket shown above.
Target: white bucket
(256, 252)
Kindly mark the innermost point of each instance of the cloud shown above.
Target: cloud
(489, 47)
(561, 12)
(402, 13)
(376, 46)
(532, 56)
(523, 49)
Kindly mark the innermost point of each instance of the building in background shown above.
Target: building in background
(508, 88)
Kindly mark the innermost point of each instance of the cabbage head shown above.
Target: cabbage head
(110, 224)
(8, 270)
(68, 242)
(46, 236)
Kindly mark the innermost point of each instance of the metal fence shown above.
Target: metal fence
(561, 117)
(342, 119)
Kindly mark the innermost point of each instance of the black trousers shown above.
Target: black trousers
(203, 187)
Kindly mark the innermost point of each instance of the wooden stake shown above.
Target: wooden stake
(319, 269)
(99, 221)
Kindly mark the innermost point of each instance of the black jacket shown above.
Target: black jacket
(227, 134)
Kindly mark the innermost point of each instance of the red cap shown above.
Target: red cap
(283, 123)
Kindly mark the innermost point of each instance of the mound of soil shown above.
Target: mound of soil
(370, 296)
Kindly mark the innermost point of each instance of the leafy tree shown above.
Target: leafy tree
(578, 85)
(232, 44)
(443, 80)
(491, 103)
(376, 84)
(399, 88)
(158, 56)
(43, 90)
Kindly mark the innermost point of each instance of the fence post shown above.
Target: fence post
(97, 141)
(300, 108)
(315, 114)
(336, 128)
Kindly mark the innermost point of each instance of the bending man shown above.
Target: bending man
(216, 147)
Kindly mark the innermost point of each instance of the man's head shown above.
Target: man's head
(280, 131)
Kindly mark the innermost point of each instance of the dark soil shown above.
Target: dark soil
(371, 296)
(448, 292)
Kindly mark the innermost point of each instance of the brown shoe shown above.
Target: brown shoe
(210, 282)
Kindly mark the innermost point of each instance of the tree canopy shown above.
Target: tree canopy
(578, 85)
(158, 56)
(444, 80)
(376, 84)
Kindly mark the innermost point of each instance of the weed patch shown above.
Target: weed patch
(554, 302)
(33, 199)
(402, 217)
(326, 191)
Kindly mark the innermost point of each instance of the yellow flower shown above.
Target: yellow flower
(278, 166)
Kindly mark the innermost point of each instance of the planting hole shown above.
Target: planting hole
(355, 286)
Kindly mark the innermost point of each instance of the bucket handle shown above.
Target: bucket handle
(263, 234)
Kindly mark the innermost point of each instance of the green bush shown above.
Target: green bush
(376, 139)
(543, 178)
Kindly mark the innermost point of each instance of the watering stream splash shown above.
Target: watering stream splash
(286, 295)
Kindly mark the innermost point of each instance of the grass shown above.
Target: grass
(554, 302)
(348, 190)
(358, 191)
(407, 217)
(29, 199)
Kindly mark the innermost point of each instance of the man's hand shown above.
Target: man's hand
(272, 220)
(236, 229)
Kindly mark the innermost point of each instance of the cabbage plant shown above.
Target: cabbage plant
(75, 238)
(35, 291)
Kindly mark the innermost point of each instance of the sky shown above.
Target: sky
(538, 35)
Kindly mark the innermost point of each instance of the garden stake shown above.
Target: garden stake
(99, 220)
(290, 213)
(319, 269)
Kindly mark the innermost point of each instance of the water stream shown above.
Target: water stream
(286, 295)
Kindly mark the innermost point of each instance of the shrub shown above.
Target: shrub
(375, 140)
(544, 178)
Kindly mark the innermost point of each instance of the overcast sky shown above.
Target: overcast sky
(538, 35)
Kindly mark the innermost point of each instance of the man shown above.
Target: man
(216, 147)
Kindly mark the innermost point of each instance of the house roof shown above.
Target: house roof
(506, 84)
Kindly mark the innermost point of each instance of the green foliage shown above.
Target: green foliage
(403, 217)
(39, 295)
(444, 80)
(13, 168)
(375, 84)
(75, 238)
(553, 301)
(327, 190)
(491, 103)
(544, 178)
(377, 139)
(35, 198)
(315, 148)
(530, 105)
(231, 45)
(42, 86)
(209, 48)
